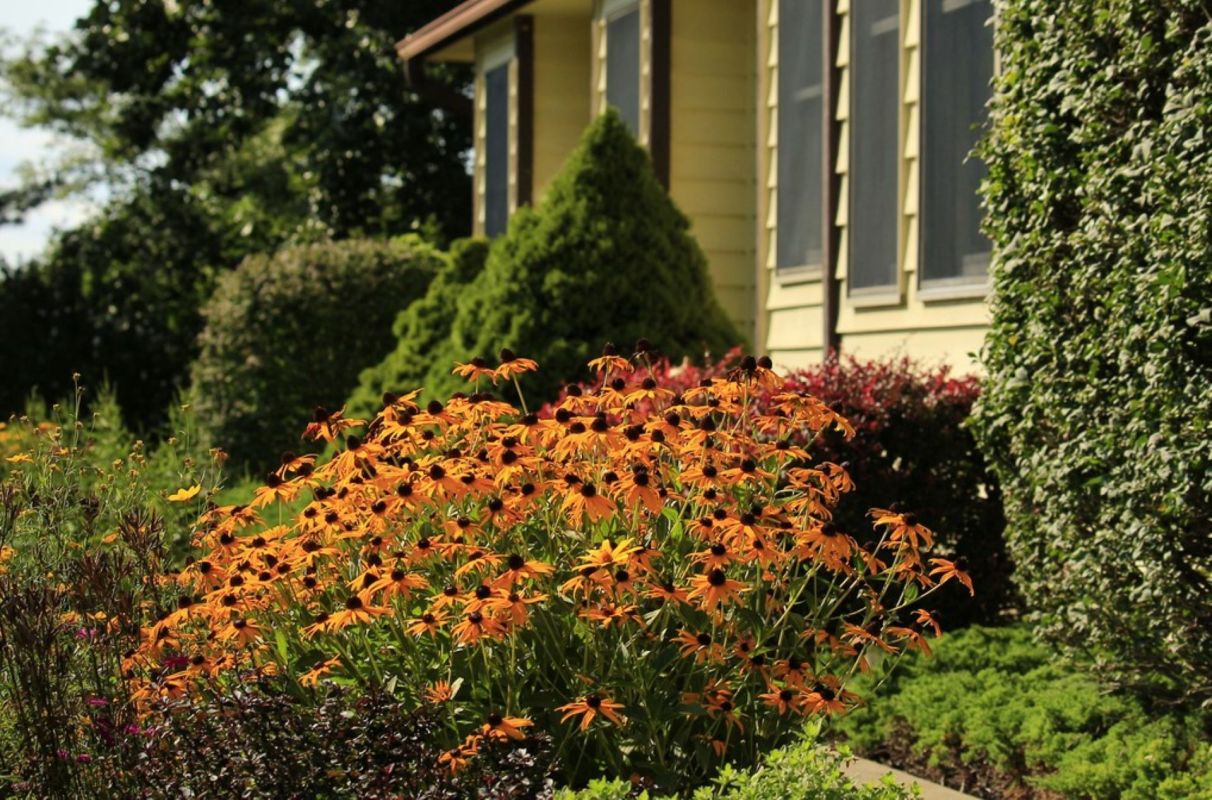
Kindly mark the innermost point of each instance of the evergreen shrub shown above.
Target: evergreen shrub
(999, 714)
(606, 256)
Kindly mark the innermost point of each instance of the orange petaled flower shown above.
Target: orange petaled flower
(242, 631)
(668, 592)
(714, 589)
(903, 527)
(501, 727)
(699, 645)
(459, 757)
(398, 583)
(784, 699)
(590, 706)
(610, 554)
(428, 623)
(957, 569)
(512, 365)
(475, 369)
(583, 500)
(670, 523)
(356, 612)
(610, 361)
(475, 626)
(328, 425)
(439, 692)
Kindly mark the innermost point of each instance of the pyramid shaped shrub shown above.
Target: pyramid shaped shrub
(606, 257)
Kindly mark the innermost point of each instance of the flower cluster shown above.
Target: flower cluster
(657, 574)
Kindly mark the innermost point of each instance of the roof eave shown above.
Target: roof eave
(462, 20)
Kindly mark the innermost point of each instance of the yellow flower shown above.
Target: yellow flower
(185, 495)
(20, 458)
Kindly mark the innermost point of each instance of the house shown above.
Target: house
(819, 148)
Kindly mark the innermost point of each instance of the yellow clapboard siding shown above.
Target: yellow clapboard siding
(709, 91)
(713, 172)
(717, 126)
(786, 360)
(950, 347)
(796, 328)
(563, 85)
(722, 231)
(711, 197)
(712, 161)
(782, 297)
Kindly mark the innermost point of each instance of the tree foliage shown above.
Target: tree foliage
(289, 332)
(219, 129)
(607, 256)
(1097, 414)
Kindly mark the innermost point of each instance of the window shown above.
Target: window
(496, 150)
(874, 143)
(958, 68)
(800, 155)
(623, 66)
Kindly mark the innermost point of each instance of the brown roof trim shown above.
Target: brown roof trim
(463, 19)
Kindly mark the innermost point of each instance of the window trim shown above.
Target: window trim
(804, 273)
(956, 287)
(890, 294)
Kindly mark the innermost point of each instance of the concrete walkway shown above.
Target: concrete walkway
(863, 771)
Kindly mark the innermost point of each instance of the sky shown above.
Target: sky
(21, 18)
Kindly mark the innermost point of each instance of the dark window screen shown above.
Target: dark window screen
(874, 142)
(496, 150)
(623, 67)
(800, 120)
(958, 69)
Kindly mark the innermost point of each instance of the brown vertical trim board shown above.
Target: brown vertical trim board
(832, 181)
(659, 93)
(524, 52)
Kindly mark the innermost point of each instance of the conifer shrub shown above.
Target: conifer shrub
(607, 256)
(1000, 714)
(1097, 411)
(289, 332)
(422, 330)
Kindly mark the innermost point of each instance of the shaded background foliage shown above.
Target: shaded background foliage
(289, 332)
(1097, 411)
(220, 129)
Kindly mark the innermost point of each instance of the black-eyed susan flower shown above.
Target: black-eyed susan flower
(591, 706)
(715, 588)
(502, 727)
